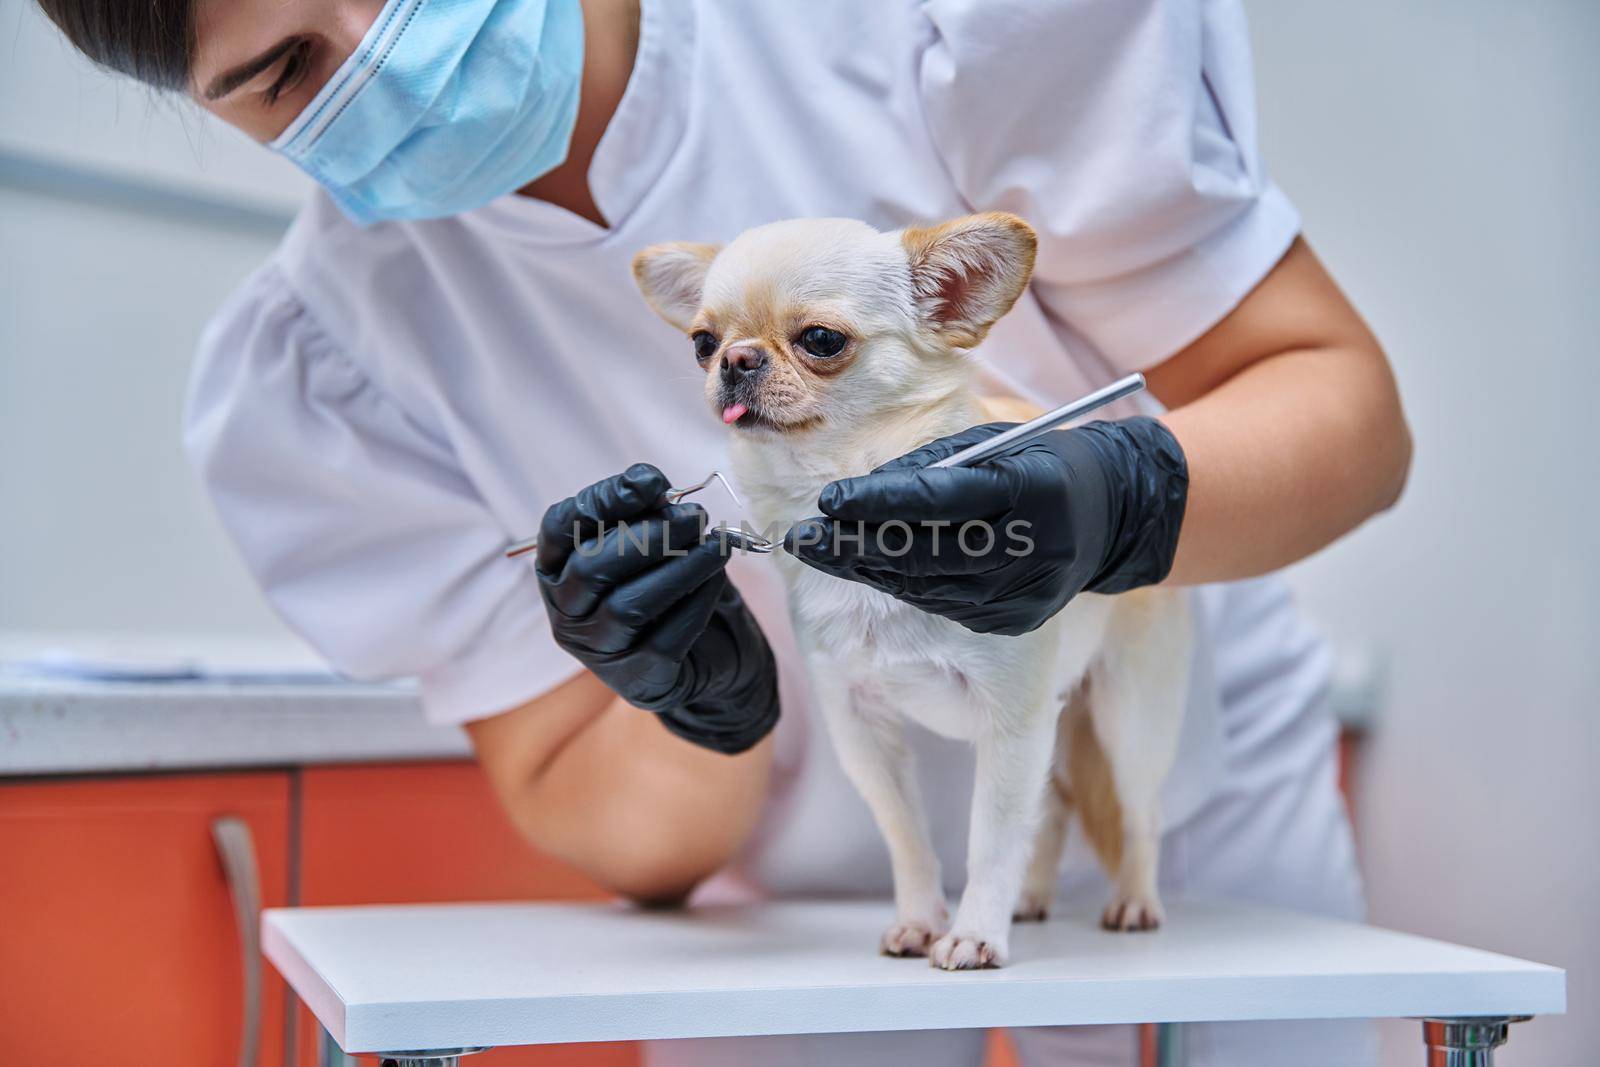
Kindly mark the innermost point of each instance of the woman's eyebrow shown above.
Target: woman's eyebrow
(229, 80)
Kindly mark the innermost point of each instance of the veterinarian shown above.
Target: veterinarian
(447, 344)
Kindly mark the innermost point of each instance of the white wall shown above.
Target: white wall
(104, 528)
(1444, 156)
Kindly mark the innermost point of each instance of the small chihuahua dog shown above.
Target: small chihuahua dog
(830, 348)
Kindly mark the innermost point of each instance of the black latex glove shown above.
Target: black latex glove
(1101, 505)
(640, 596)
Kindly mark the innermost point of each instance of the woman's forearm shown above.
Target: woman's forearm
(1289, 417)
(1288, 456)
(600, 784)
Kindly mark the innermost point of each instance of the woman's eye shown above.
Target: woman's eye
(294, 68)
(822, 342)
(705, 345)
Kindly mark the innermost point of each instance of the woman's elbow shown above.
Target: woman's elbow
(660, 885)
(1396, 466)
(1392, 433)
(1372, 437)
(651, 862)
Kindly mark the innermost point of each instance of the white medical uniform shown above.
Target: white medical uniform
(378, 411)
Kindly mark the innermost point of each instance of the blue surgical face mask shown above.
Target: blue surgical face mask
(444, 106)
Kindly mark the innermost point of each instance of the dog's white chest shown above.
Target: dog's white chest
(896, 658)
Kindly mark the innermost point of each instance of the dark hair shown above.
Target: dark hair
(150, 40)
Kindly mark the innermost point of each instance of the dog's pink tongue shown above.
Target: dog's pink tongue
(732, 412)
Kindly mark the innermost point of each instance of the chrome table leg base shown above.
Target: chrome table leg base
(1466, 1042)
(329, 1054)
(439, 1057)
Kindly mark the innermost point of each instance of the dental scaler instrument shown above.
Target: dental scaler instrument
(738, 538)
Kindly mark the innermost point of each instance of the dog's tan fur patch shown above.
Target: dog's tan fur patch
(1093, 789)
(1008, 409)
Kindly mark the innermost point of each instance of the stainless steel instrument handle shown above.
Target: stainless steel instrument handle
(236, 848)
(1018, 436)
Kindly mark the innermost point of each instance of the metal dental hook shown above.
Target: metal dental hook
(739, 538)
(734, 535)
(675, 496)
(744, 539)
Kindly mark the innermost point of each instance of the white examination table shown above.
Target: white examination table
(425, 984)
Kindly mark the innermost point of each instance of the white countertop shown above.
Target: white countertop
(438, 976)
(220, 704)
(77, 726)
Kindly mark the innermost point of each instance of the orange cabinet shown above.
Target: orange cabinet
(117, 934)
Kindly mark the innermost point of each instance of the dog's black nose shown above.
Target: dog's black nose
(741, 361)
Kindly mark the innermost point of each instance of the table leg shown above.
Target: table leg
(1171, 1049)
(1466, 1042)
(329, 1054)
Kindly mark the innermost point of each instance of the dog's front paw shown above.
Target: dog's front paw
(907, 938)
(966, 952)
(1129, 912)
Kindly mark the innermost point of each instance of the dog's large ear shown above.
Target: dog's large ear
(672, 278)
(969, 271)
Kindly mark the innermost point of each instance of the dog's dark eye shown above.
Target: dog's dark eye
(705, 345)
(822, 342)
